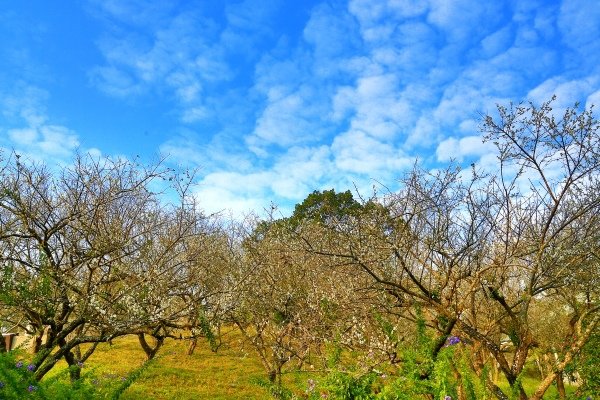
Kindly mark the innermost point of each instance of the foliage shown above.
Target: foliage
(344, 385)
(445, 287)
(588, 367)
(89, 253)
(326, 206)
(208, 332)
(275, 390)
(17, 381)
(422, 373)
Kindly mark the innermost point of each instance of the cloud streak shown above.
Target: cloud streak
(374, 85)
(274, 100)
(28, 130)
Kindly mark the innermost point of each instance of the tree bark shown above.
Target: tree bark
(192, 346)
(584, 336)
(148, 349)
(560, 386)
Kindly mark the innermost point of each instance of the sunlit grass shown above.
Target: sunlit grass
(230, 373)
(530, 384)
(227, 374)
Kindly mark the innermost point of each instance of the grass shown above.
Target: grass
(231, 373)
(227, 374)
(530, 384)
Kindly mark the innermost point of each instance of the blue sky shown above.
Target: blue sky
(274, 99)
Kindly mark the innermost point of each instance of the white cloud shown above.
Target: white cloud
(380, 109)
(57, 141)
(177, 53)
(195, 114)
(356, 152)
(44, 142)
(497, 42)
(216, 199)
(300, 170)
(373, 14)
(324, 27)
(183, 150)
(346, 100)
(94, 153)
(115, 81)
(188, 149)
(567, 92)
(137, 12)
(234, 192)
(291, 177)
(24, 136)
(579, 22)
(28, 130)
(294, 83)
(423, 132)
(461, 19)
(593, 99)
(288, 118)
(466, 147)
(24, 103)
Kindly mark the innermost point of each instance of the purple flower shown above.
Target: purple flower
(449, 397)
(452, 340)
(31, 367)
(79, 364)
(31, 388)
(19, 364)
(1, 385)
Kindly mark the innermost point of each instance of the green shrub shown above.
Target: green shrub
(17, 382)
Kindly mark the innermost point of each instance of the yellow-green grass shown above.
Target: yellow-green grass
(530, 385)
(227, 374)
(231, 373)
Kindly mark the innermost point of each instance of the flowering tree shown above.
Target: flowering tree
(86, 252)
(274, 303)
(548, 226)
(292, 302)
(479, 251)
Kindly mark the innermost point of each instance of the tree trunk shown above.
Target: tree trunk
(192, 346)
(37, 342)
(150, 350)
(584, 336)
(272, 376)
(74, 372)
(74, 369)
(560, 386)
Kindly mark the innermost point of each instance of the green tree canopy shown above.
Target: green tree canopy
(326, 206)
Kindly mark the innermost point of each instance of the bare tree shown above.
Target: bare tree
(550, 224)
(83, 250)
(478, 250)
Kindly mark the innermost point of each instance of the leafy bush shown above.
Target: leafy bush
(17, 382)
(423, 372)
(588, 367)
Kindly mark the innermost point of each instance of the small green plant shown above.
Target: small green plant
(276, 391)
(17, 382)
(344, 385)
(587, 367)
(207, 331)
(437, 368)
